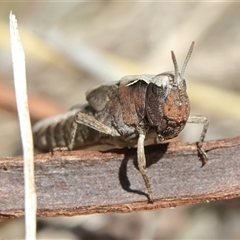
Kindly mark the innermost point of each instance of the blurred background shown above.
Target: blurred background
(73, 46)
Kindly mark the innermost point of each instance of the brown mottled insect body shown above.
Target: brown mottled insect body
(125, 113)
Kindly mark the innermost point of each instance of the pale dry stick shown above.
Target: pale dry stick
(18, 58)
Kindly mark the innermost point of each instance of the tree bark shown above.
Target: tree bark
(87, 182)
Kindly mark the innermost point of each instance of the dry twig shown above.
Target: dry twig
(86, 182)
(20, 83)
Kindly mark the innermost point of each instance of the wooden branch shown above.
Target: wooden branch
(86, 182)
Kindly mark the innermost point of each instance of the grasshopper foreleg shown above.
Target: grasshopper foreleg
(142, 160)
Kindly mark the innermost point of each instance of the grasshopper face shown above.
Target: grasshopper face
(167, 104)
(166, 101)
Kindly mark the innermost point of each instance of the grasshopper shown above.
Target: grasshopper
(124, 114)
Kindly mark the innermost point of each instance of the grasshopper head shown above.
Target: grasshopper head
(167, 103)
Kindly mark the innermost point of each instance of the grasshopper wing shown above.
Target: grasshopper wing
(99, 96)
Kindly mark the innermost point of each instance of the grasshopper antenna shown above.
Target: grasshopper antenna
(187, 59)
(175, 67)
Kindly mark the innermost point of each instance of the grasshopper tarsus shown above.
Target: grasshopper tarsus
(58, 149)
(197, 119)
(148, 186)
(203, 156)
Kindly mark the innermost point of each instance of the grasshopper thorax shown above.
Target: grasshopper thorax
(166, 101)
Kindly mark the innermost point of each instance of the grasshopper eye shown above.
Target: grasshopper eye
(159, 90)
(161, 84)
